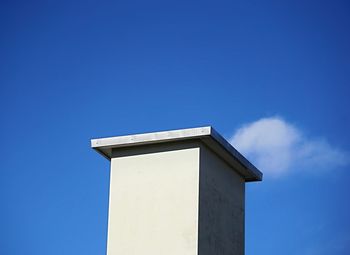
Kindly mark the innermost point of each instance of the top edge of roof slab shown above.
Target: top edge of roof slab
(207, 134)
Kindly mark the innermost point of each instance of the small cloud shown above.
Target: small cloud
(276, 147)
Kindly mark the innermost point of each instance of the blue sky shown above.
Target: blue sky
(75, 70)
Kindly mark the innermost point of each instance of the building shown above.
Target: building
(179, 192)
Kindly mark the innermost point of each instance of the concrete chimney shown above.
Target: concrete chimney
(178, 192)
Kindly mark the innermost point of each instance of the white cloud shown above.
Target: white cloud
(277, 147)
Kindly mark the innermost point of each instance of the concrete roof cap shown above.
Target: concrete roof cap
(207, 135)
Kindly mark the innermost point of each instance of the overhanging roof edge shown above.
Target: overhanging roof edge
(105, 145)
(256, 173)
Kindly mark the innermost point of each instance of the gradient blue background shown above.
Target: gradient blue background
(75, 70)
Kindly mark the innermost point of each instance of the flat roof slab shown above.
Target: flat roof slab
(207, 135)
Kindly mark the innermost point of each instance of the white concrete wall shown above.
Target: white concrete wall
(153, 208)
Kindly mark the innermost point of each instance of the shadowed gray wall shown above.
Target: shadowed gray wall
(221, 207)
